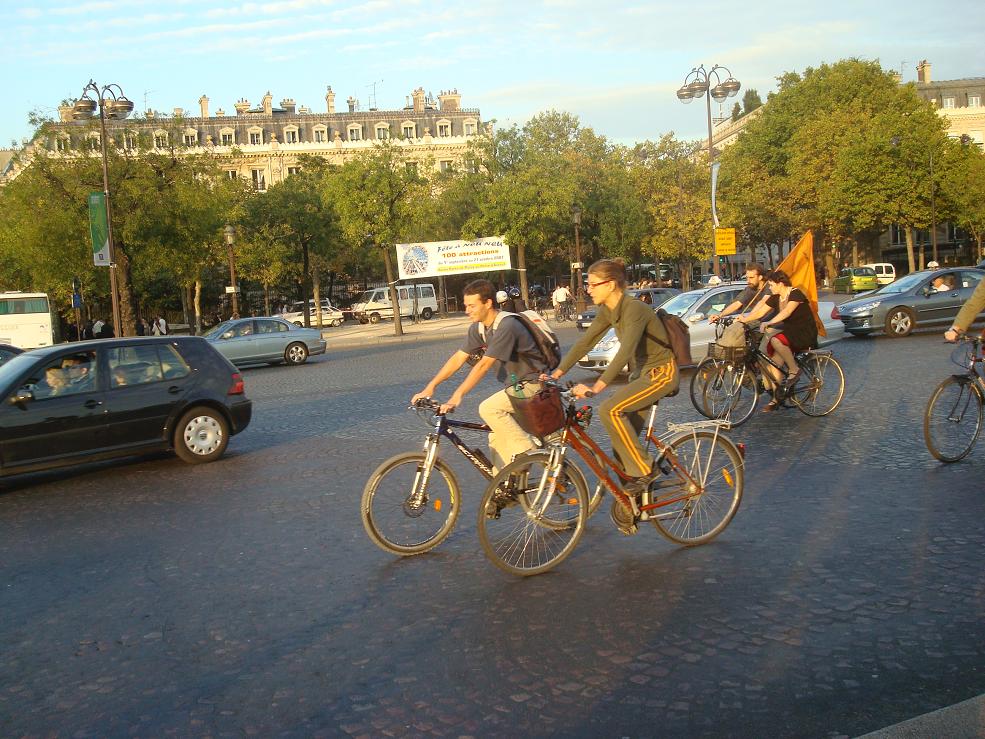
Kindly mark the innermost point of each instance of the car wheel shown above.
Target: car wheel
(426, 314)
(201, 436)
(296, 353)
(899, 322)
(375, 318)
(299, 324)
(337, 322)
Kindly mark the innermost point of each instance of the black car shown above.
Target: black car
(653, 295)
(93, 400)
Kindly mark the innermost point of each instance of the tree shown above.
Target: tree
(750, 101)
(963, 189)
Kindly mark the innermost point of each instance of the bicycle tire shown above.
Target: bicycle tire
(952, 410)
(705, 369)
(573, 470)
(816, 378)
(382, 511)
(728, 393)
(516, 538)
(699, 518)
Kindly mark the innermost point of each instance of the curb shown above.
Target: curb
(965, 719)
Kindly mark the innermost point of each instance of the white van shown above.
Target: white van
(374, 304)
(885, 272)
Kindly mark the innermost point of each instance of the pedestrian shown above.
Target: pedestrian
(87, 330)
(159, 327)
(106, 330)
(140, 327)
(505, 302)
(97, 329)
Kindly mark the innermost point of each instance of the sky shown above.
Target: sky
(616, 65)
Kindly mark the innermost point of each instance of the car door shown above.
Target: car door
(703, 331)
(54, 424)
(239, 344)
(271, 338)
(146, 382)
(968, 281)
(934, 306)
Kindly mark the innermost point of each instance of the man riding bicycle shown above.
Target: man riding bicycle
(756, 288)
(512, 349)
(561, 297)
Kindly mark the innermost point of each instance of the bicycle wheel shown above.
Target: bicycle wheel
(572, 475)
(731, 394)
(524, 528)
(953, 419)
(394, 520)
(820, 387)
(698, 517)
(707, 369)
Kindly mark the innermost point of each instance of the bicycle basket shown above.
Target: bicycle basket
(727, 353)
(539, 413)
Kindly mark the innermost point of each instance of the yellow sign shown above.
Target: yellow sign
(724, 241)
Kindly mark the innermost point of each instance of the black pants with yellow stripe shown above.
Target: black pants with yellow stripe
(626, 411)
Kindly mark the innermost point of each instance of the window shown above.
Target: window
(160, 140)
(130, 141)
(232, 174)
(947, 103)
(425, 291)
(470, 128)
(402, 293)
(293, 170)
(974, 101)
(62, 143)
(290, 135)
(241, 329)
(270, 327)
(172, 363)
(92, 142)
(444, 129)
(259, 179)
(382, 131)
(409, 130)
(445, 165)
(256, 137)
(898, 234)
(227, 138)
(134, 365)
(355, 133)
(70, 375)
(191, 139)
(321, 134)
(970, 279)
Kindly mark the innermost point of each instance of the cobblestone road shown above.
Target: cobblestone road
(243, 598)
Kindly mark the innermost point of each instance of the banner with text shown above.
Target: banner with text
(443, 258)
(99, 229)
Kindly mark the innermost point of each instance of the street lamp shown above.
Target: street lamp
(699, 84)
(230, 233)
(112, 104)
(579, 291)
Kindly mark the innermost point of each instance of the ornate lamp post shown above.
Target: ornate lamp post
(230, 233)
(579, 290)
(112, 104)
(696, 84)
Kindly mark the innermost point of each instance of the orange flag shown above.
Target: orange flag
(799, 266)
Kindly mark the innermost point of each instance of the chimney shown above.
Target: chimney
(352, 104)
(896, 76)
(65, 113)
(203, 103)
(304, 110)
(450, 101)
(179, 112)
(923, 72)
(268, 104)
(288, 105)
(220, 113)
(330, 100)
(242, 106)
(418, 96)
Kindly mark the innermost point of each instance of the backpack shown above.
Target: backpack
(548, 347)
(679, 336)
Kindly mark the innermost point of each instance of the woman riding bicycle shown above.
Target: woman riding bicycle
(645, 347)
(792, 329)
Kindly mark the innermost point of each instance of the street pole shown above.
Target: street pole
(230, 233)
(716, 267)
(114, 293)
(933, 208)
(579, 290)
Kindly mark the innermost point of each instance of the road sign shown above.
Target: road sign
(725, 241)
(232, 288)
(76, 300)
(577, 265)
(99, 229)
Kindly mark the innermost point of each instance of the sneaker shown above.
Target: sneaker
(623, 518)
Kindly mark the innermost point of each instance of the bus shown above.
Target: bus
(27, 320)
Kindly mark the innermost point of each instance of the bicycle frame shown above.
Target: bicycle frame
(441, 427)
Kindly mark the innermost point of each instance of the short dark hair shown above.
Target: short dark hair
(757, 268)
(483, 288)
(778, 275)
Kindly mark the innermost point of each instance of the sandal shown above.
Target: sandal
(771, 406)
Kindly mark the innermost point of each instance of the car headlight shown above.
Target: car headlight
(865, 307)
(606, 344)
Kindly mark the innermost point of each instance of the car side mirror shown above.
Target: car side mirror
(695, 317)
(22, 396)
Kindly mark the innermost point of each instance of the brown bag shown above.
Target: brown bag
(538, 413)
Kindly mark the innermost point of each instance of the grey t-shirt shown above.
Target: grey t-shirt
(750, 298)
(507, 343)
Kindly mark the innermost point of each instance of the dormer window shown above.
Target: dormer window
(947, 102)
(191, 138)
(256, 136)
(382, 131)
(291, 135)
(92, 141)
(409, 130)
(63, 143)
(320, 134)
(470, 126)
(160, 139)
(130, 141)
(227, 137)
(444, 129)
(355, 132)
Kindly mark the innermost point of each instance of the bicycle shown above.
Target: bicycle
(728, 382)
(953, 419)
(402, 510)
(703, 477)
(565, 311)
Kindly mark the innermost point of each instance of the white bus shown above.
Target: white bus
(27, 321)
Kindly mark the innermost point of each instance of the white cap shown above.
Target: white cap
(932, 265)
(501, 296)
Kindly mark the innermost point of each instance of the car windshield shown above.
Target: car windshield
(902, 284)
(679, 304)
(13, 367)
(865, 272)
(218, 330)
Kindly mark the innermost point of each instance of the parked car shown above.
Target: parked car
(374, 305)
(655, 296)
(694, 307)
(330, 315)
(265, 340)
(911, 301)
(94, 400)
(885, 272)
(856, 280)
(7, 351)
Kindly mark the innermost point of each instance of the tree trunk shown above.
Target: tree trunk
(124, 285)
(266, 298)
(521, 259)
(398, 327)
(909, 248)
(185, 307)
(854, 253)
(305, 278)
(197, 300)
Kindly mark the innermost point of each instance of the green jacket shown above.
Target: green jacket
(636, 325)
(972, 307)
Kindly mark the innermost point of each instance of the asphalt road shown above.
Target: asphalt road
(154, 598)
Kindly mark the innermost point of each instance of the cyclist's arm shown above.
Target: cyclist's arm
(472, 379)
(729, 310)
(454, 363)
(761, 309)
(969, 312)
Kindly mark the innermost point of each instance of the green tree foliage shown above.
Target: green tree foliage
(750, 101)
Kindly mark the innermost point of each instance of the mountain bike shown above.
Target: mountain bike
(728, 382)
(953, 419)
(533, 512)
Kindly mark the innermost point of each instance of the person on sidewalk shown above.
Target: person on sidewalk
(512, 350)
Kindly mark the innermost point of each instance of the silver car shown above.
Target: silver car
(265, 340)
(694, 307)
